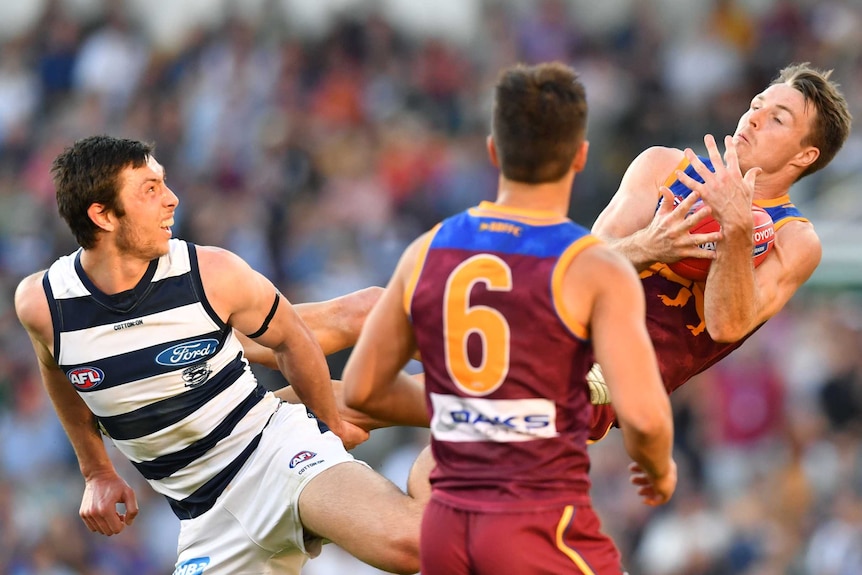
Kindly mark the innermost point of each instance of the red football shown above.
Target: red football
(697, 268)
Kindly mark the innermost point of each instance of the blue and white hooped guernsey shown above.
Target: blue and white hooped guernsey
(163, 374)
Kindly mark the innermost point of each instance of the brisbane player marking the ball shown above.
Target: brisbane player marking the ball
(792, 129)
(763, 237)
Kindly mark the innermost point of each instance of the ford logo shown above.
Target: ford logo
(188, 352)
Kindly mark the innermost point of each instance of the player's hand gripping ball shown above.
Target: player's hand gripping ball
(697, 268)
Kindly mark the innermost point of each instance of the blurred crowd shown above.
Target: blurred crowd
(317, 155)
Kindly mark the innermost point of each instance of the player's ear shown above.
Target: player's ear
(492, 151)
(580, 159)
(101, 216)
(806, 157)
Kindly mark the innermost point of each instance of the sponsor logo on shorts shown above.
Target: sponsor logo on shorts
(86, 377)
(187, 352)
(301, 457)
(192, 566)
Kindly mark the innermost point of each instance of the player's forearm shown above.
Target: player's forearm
(304, 365)
(80, 426)
(730, 298)
(398, 400)
(635, 248)
(336, 323)
(353, 416)
(651, 447)
(87, 442)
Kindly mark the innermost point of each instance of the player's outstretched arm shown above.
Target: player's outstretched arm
(258, 309)
(103, 486)
(335, 323)
(354, 416)
(625, 352)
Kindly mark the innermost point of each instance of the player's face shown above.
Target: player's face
(149, 204)
(771, 132)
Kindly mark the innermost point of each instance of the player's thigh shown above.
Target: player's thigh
(567, 539)
(443, 542)
(364, 513)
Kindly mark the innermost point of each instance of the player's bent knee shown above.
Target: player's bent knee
(366, 515)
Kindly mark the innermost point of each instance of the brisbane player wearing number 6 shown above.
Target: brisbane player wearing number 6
(507, 304)
(791, 129)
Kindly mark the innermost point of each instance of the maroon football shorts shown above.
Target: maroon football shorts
(548, 540)
(603, 419)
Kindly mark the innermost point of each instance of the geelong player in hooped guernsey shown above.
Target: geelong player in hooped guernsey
(135, 336)
(499, 443)
(113, 349)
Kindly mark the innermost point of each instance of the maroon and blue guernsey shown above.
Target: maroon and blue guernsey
(674, 307)
(504, 364)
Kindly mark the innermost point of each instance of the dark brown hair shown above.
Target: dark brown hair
(86, 173)
(831, 125)
(540, 119)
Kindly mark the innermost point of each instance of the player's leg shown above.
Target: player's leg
(365, 514)
(418, 481)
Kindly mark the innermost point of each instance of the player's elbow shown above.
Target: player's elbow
(354, 396)
(358, 394)
(726, 332)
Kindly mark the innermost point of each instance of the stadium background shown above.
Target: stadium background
(317, 138)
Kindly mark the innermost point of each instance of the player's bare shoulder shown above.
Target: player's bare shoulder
(31, 306)
(798, 248)
(222, 269)
(651, 169)
(598, 273)
(634, 202)
(413, 255)
(229, 282)
(603, 264)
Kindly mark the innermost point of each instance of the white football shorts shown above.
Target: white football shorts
(254, 527)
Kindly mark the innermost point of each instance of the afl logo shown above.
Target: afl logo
(187, 352)
(301, 457)
(85, 377)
